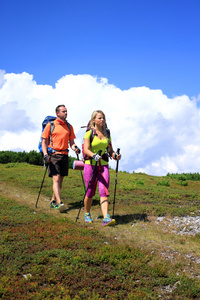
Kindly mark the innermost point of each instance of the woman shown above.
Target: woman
(101, 141)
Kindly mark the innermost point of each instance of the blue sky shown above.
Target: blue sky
(138, 61)
(131, 43)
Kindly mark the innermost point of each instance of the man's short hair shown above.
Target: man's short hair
(59, 106)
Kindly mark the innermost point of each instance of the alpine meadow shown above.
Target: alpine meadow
(153, 251)
(106, 95)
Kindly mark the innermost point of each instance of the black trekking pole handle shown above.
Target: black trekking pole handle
(82, 202)
(118, 152)
(78, 151)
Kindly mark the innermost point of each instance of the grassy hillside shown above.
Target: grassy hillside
(48, 255)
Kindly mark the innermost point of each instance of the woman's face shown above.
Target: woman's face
(99, 120)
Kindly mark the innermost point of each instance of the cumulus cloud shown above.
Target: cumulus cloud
(2, 80)
(156, 134)
(13, 119)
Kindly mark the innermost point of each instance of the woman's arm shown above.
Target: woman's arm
(86, 148)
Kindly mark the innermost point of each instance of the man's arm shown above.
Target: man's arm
(74, 147)
(44, 149)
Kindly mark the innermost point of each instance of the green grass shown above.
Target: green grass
(152, 195)
(63, 259)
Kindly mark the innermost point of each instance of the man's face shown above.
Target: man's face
(62, 113)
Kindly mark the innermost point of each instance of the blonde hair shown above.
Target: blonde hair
(92, 124)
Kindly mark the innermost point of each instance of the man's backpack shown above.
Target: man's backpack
(44, 123)
(93, 133)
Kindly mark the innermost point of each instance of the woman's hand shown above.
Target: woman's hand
(97, 157)
(116, 155)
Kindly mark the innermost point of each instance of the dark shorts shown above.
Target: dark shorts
(58, 165)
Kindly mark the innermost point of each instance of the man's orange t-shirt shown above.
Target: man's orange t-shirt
(60, 135)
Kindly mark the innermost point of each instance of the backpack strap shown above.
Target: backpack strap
(51, 130)
(93, 133)
(69, 127)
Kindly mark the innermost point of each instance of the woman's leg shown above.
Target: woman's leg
(87, 204)
(88, 173)
(103, 182)
(104, 206)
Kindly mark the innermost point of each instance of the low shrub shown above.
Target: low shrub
(33, 157)
(163, 183)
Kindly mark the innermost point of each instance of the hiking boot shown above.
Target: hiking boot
(53, 204)
(60, 206)
(88, 218)
(108, 221)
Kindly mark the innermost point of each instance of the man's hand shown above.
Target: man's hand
(77, 150)
(46, 158)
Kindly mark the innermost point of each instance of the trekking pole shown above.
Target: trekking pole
(82, 202)
(118, 150)
(41, 186)
(82, 175)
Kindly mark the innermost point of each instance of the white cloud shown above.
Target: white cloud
(13, 119)
(156, 134)
(2, 80)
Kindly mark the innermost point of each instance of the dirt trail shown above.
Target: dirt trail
(43, 205)
(21, 197)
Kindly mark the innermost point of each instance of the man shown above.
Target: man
(61, 138)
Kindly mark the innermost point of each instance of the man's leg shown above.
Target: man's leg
(57, 186)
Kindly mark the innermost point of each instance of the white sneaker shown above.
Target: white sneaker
(61, 207)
